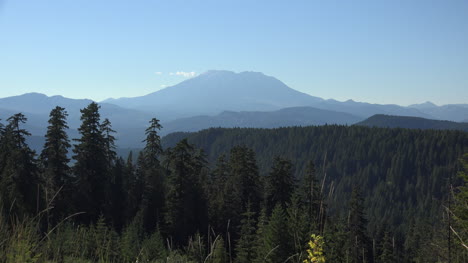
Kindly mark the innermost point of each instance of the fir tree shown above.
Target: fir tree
(54, 161)
(277, 239)
(297, 226)
(261, 248)
(91, 166)
(153, 248)
(280, 184)
(357, 228)
(218, 252)
(153, 198)
(219, 196)
(387, 255)
(19, 177)
(460, 210)
(109, 142)
(335, 240)
(311, 196)
(245, 248)
(187, 208)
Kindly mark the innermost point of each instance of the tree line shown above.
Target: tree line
(77, 201)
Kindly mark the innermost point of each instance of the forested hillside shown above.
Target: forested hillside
(389, 121)
(406, 168)
(299, 194)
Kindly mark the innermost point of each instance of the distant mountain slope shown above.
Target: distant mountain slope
(130, 124)
(295, 116)
(365, 110)
(385, 121)
(216, 91)
(453, 112)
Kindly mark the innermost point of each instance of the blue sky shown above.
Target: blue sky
(400, 52)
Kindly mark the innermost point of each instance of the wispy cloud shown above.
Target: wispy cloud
(184, 74)
(158, 73)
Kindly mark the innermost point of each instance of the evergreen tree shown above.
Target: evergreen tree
(54, 161)
(133, 186)
(187, 208)
(297, 227)
(357, 228)
(116, 198)
(221, 196)
(335, 240)
(279, 185)
(245, 177)
(153, 198)
(311, 196)
(277, 239)
(19, 178)
(261, 249)
(245, 247)
(460, 210)
(91, 165)
(387, 255)
(153, 148)
(109, 142)
(153, 248)
(218, 252)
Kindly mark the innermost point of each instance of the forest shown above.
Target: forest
(296, 194)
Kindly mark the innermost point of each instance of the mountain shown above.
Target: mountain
(216, 91)
(365, 110)
(453, 112)
(295, 116)
(129, 123)
(387, 121)
(216, 99)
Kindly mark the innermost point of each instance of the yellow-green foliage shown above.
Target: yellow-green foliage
(315, 250)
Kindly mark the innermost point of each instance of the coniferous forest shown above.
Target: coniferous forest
(300, 194)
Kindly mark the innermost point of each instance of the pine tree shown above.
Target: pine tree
(280, 184)
(187, 205)
(54, 161)
(109, 142)
(245, 248)
(133, 185)
(116, 196)
(460, 210)
(277, 239)
(153, 248)
(131, 240)
(261, 248)
(245, 177)
(297, 226)
(219, 196)
(91, 165)
(387, 255)
(218, 252)
(19, 177)
(335, 237)
(311, 196)
(153, 198)
(357, 225)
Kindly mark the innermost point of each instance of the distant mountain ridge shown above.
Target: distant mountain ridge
(216, 99)
(295, 116)
(387, 121)
(218, 90)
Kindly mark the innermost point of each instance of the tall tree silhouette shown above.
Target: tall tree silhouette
(19, 177)
(91, 165)
(54, 161)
